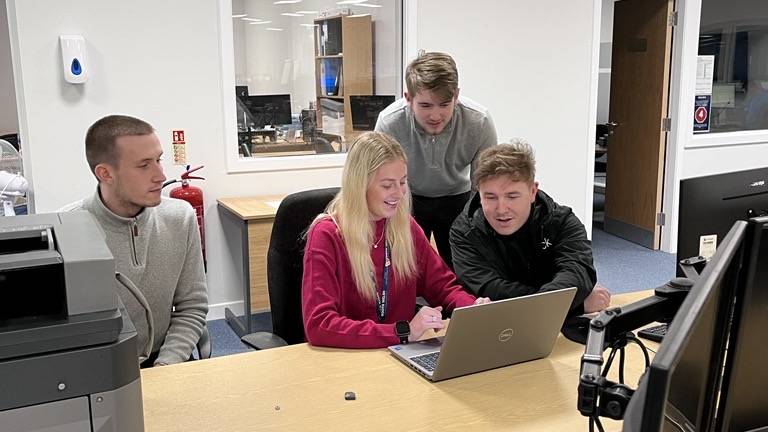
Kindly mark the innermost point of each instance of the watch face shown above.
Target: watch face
(402, 328)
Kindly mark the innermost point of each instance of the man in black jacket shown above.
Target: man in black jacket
(512, 239)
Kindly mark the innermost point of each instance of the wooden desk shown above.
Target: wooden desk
(254, 217)
(300, 388)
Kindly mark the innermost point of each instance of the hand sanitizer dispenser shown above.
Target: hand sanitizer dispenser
(74, 59)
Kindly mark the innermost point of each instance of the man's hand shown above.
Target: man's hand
(597, 300)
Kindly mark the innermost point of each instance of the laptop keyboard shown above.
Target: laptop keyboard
(427, 361)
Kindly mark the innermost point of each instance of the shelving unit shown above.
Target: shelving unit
(343, 67)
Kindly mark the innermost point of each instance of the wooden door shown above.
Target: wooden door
(642, 44)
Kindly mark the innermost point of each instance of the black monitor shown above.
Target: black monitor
(365, 110)
(269, 109)
(710, 205)
(743, 400)
(678, 392)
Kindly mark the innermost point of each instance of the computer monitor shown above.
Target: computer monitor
(743, 403)
(269, 109)
(678, 392)
(710, 205)
(365, 110)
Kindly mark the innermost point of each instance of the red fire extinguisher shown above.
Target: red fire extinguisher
(192, 195)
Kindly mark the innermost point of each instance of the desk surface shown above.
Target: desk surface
(251, 208)
(301, 387)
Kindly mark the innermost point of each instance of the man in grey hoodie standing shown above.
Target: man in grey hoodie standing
(442, 134)
(155, 240)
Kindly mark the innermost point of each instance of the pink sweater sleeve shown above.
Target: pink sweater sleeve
(322, 296)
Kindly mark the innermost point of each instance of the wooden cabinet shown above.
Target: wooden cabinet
(343, 67)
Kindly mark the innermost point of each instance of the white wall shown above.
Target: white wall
(701, 161)
(160, 61)
(534, 65)
(9, 121)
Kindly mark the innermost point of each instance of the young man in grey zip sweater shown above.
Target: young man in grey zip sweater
(442, 134)
(155, 240)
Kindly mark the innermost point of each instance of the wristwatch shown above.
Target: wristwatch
(403, 330)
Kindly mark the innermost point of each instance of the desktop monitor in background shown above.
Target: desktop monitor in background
(743, 401)
(710, 205)
(678, 392)
(365, 110)
(271, 110)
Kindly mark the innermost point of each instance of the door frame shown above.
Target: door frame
(685, 48)
(685, 44)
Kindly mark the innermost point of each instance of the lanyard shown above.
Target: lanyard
(381, 302)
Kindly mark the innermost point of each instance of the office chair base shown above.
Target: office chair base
(263, 340)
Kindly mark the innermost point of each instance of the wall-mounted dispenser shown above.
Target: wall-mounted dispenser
(74, 59)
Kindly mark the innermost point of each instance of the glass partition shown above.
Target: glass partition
(735, 32)
(298, 62)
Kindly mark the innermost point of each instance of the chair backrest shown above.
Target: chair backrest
(285, 259)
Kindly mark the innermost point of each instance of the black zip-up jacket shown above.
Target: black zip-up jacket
(549, 252)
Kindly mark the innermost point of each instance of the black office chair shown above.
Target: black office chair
(285, 266)
(322, 145)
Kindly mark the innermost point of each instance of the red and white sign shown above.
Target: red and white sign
(701, 114)
(179, 147)
(178, 136)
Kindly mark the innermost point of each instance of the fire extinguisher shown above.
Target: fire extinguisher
(194, 196)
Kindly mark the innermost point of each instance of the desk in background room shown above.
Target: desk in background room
(254, 217)
(301, 388)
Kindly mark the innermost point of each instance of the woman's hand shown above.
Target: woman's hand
(427, 318)
(482, 300)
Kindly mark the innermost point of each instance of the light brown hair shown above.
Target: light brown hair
(435, 72)
(514, 159)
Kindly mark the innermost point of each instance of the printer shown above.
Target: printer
(68, 356)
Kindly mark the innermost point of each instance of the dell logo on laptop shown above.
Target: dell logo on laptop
(506, 335)
(757, 183)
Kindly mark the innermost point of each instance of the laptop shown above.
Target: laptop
(492, 335)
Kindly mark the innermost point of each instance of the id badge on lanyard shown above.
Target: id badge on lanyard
(381, 301)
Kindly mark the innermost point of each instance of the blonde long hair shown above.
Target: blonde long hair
(349, 209)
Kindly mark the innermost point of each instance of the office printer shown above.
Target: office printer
(68, 357)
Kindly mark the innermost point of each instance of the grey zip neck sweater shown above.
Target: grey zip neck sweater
(159, 251)
(440, 165)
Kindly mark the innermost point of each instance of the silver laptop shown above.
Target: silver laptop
(492, 335)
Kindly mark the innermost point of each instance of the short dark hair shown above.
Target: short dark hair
(433, 71)
(514, 159)
(102, 135)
